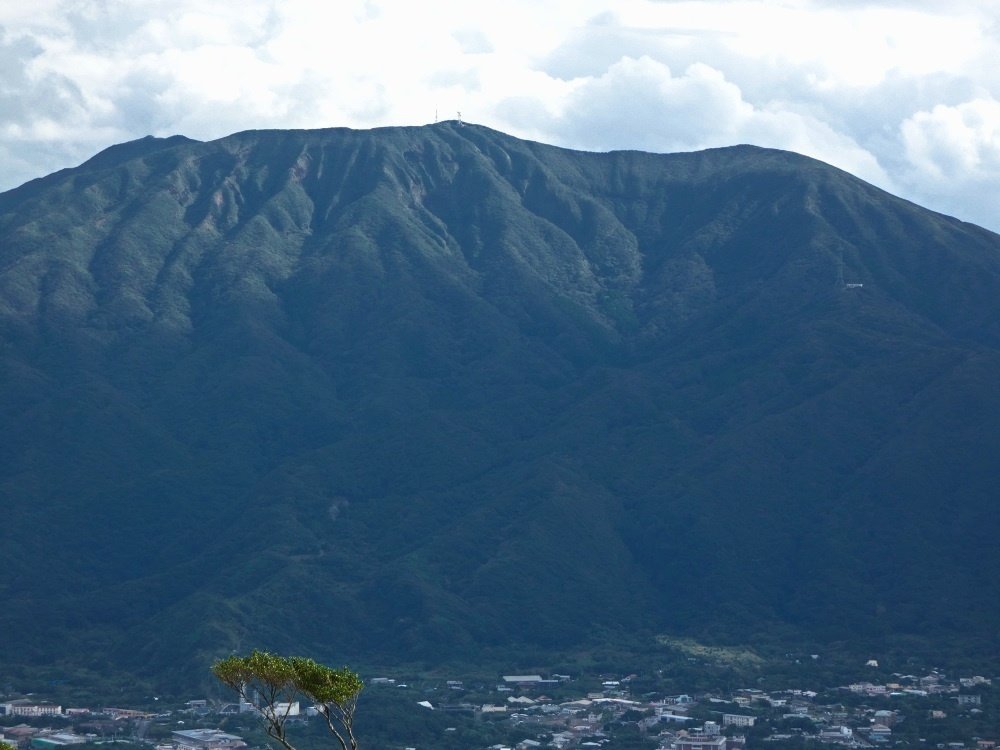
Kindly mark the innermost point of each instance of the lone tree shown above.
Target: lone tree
(277, 681)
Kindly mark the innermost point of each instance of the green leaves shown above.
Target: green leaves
(273, 671)
(323, 684)
(277, 680)
(288, 674)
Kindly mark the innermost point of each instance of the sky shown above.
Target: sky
(902, 93)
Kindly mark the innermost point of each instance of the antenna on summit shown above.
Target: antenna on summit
(460, 118)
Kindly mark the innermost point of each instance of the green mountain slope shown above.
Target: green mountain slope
(419, 392)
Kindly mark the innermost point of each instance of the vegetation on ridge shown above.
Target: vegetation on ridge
(472, 396)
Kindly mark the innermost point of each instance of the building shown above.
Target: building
(207, 739)
(973, 681)
(684, 741)
(57, 739)
(879, 732)
(840, 735)
(969, 700)
(25, 707)
(19, 735)
(126, 713)
(522, 679)
(885, 718)
(664, 714)
(282, 710)
(738, 720)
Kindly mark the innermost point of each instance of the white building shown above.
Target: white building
(684, 741)
(207, 739)
(24, 707)
(522, 679)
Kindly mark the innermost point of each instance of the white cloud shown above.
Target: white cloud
(951, 143)
(642, 104)
(473, 41)
(953, 155)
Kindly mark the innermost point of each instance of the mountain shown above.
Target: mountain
(419, 393)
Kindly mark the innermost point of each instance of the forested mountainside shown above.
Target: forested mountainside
(426, 392)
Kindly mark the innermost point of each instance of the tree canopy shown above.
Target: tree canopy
(271, 683)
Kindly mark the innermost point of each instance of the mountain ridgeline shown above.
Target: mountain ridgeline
(414, 393)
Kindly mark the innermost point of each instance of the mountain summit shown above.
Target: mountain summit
(417, 392)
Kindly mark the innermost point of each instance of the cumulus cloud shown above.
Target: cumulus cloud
(955, 142)
(832, 80)
(640, 103)
(953, 155)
